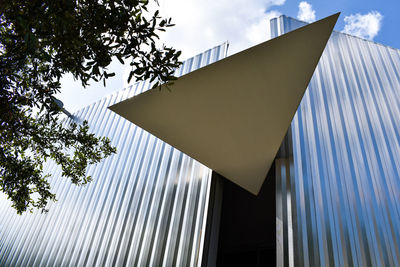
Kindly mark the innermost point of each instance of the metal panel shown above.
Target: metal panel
(146, 206)
(345, 184)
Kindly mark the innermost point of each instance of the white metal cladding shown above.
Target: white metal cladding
(342, 189)
(146, 206)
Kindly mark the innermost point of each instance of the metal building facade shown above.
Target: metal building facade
(338, 187)
(146, 206)
(338, 182)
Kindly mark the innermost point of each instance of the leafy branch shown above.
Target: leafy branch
(40, 41)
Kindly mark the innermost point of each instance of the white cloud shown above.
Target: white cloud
(365, 26)
(260, 31)
(306, 13)
(203, 24)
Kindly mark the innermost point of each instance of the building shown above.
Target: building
(146, 205)
(340, 185)
(331, 198)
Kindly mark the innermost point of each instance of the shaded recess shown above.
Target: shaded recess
(248, 230)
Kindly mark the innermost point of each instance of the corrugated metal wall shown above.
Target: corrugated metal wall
(342, 187)
(145, 207)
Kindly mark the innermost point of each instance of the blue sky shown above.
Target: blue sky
(389, 9)
(202, 24)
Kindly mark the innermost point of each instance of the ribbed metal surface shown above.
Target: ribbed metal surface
(145, 207)
(342, 186)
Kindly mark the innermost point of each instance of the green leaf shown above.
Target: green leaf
(120, 59)
(130, 76)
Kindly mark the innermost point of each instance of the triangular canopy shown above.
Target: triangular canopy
(232, 115)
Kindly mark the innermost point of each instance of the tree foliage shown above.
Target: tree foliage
(40, 41)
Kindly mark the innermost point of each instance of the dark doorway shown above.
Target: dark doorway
(247, 224)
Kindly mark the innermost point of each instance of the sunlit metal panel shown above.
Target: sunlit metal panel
(343, 185)
(145, 207)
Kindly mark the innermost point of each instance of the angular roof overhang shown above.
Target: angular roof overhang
(232, 115)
